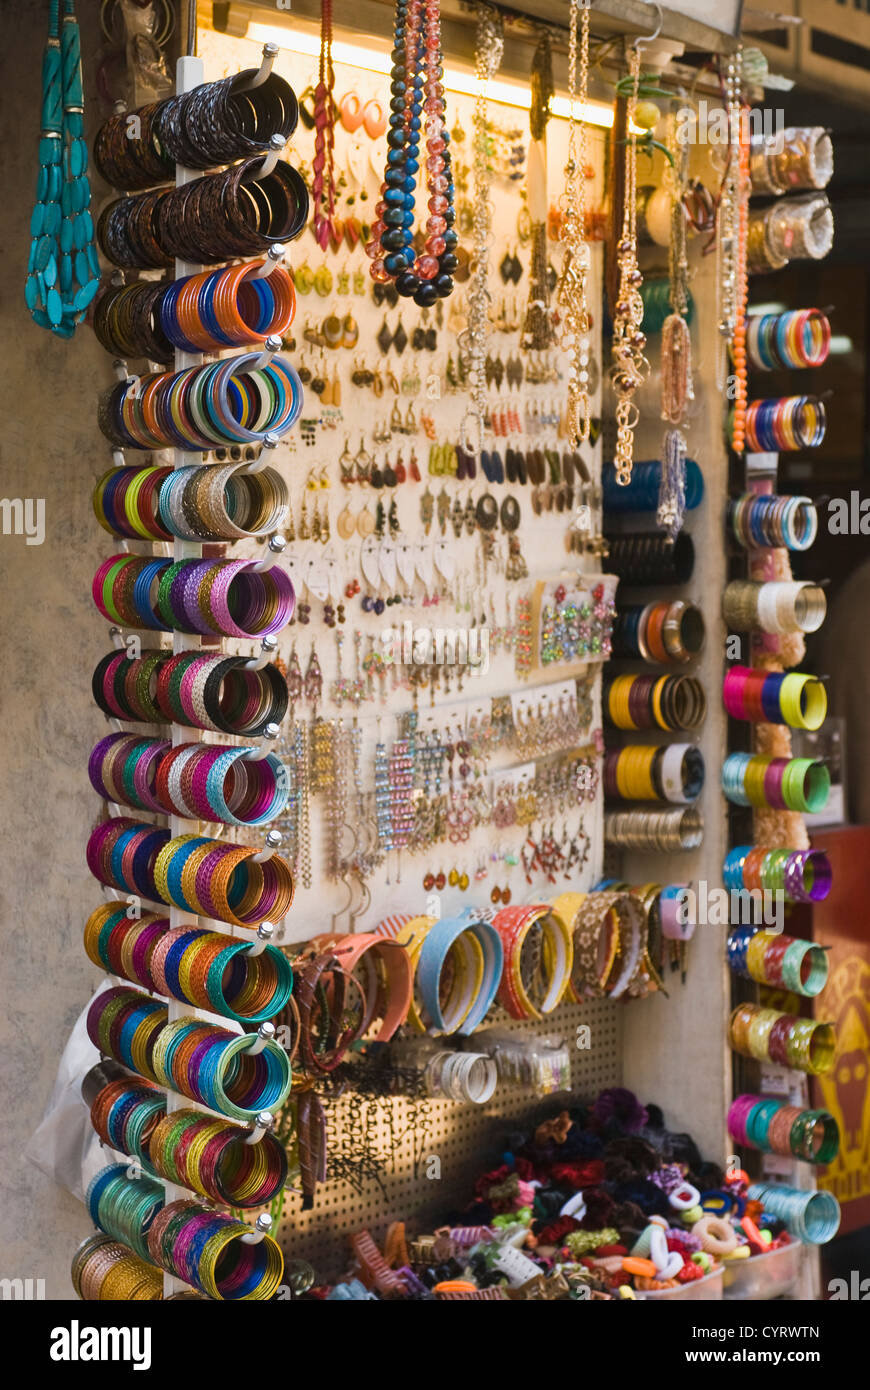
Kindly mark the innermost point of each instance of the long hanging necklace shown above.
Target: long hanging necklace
(323, 183)
(574, 284)
(417, 99)
(538, 328)
(677, 388)
(629, 364)
(472, 345)
(63, 272)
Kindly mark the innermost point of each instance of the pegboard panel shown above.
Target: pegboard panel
(462, 1137)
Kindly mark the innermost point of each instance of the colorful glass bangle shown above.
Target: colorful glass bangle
(205, 1063)
(203, 968)
(209, 1156)
(231, 401)
(229, 598)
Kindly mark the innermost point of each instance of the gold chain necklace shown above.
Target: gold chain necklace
(574, 284)
(629, 364)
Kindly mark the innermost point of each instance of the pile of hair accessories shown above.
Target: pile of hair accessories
(600, 1201)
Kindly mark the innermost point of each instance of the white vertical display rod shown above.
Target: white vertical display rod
(189, 73)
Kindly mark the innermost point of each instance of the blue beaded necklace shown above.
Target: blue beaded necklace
(63, 271)
(417, 97)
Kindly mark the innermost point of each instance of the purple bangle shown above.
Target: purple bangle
(144, 774)
(773, 776)
(183, 597)
(267, 897)
(218, 598)
(202, 883)
(148, 937)
(194, 1065)
(95, 764)
(795, 875)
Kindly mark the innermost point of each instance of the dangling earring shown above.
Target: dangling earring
(313, 679)
(293, 678)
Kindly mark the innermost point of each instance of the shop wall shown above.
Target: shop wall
(50, 643)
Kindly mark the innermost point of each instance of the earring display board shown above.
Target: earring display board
(410, 557)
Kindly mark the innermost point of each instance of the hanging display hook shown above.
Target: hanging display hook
(270, 53)
(651, 38)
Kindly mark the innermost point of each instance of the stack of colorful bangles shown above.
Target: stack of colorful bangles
(794, 339)
(760, 520)
(214, 123)
(655, 702)
(775, 607)
(814, 1217)
(642, 492)
(226, 694)
(650, 558)
(206, 969)
(241, 211)
(233, 307)
(642, 772)
(782, 962)
(105, 1270)
(199, 875)
(206, 1249)
(664, 633)
(775, 1127)
(774, 697)
(789, 1041)
(784, 424)
(205, 1063)
(677, 828)
(210, 1156)
(198, 781)
(209, 503)
(801, 875)
(236, 400)
(792, 784)
(226, 598)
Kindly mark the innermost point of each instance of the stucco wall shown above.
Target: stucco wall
(49, 448)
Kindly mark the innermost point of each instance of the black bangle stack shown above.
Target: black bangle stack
(216, 123)
(212, 219)
(650, 559)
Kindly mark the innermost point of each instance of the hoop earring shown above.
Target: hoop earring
(374, 119)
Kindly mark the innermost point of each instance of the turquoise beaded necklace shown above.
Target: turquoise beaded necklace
(63, 271)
